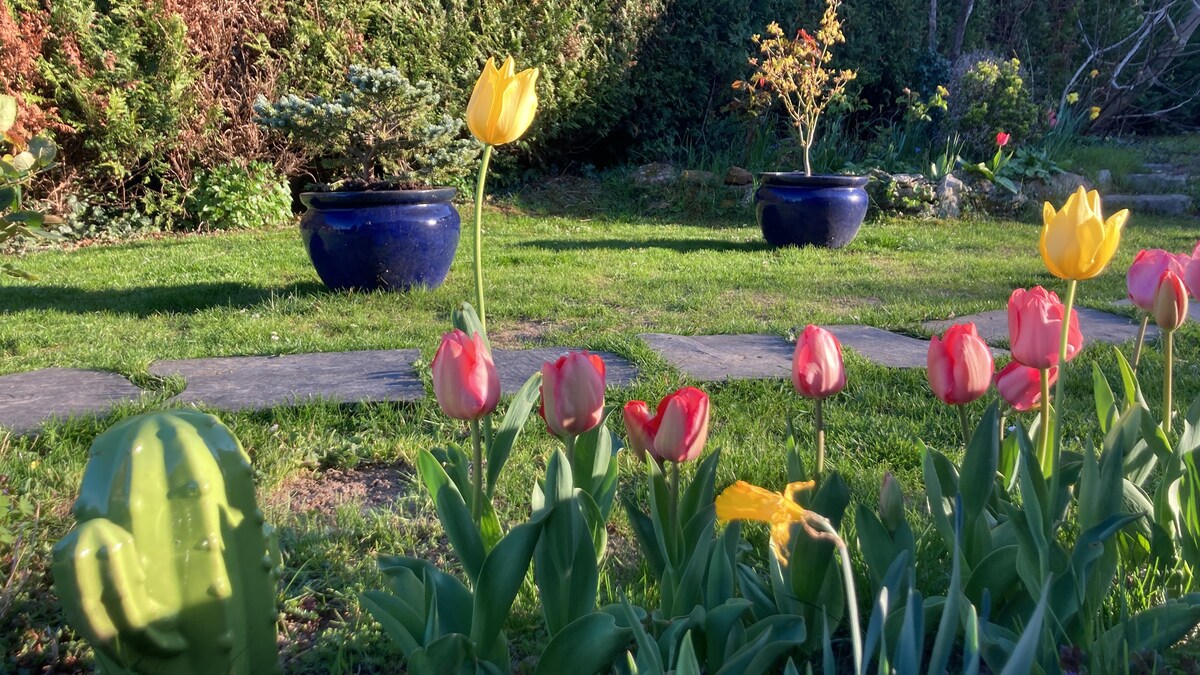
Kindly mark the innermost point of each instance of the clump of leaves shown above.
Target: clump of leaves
(794, 72)
(384, 128)
(17, 169)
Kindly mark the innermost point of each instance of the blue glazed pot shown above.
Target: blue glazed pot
(798, 210)
(390, 239)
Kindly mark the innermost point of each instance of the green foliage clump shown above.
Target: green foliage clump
(383, 127)
(990, 97)
(234, 197)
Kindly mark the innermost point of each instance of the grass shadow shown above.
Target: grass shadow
(147, 301)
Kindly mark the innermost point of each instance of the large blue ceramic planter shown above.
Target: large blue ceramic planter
(798, 210)
(391, 239)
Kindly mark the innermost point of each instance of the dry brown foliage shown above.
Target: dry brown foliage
(21, 40)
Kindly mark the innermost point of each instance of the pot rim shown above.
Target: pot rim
(349, 200)
(817, 180)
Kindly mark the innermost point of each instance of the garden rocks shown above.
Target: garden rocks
(949, 191)
(656, 174)
(1056, 188)
(738, 176)
(1104, 180)
(701, 178)
(910, 194)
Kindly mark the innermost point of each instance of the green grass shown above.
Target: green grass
(595, 282)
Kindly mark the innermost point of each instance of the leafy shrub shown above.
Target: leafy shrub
(240, 197)
(988, 97)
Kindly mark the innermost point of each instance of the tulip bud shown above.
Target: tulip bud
(891, 502)
(465, 381)
(1035, 328)
(1021, 386)
(960, 365)
(1146, 271)
(1170, 302)
(573, 393)
(641, 427)
(1002, 139)
(682, 425)
(817, 368)
(1191, 275)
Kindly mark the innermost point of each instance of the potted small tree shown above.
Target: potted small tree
(796, 207)
(387, 219)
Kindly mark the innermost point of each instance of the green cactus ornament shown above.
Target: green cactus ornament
(170, 567)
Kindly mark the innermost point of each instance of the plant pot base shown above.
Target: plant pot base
(798, 210)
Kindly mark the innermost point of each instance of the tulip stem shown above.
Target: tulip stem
(1044, 431)
(675, 497)
(483, 167)
(477, 498)
(966, 426)
(1137, 348)
(569, 441)
(1062, 375)
(819, 423)
(1168, 367)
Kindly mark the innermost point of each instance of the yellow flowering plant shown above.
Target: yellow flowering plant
(796, 73)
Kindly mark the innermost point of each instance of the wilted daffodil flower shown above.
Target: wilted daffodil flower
(743, 501)
(1077, 242)
(503, 103)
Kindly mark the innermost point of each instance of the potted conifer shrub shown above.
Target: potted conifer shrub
(386, 219)
(797, 208)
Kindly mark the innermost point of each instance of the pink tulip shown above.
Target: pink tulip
(960, 365)
(1021, 386)
(1035, 325)
(1170, 302)
(817, 368)
(573, 393)
(1191, 275)
(1002, 139)
(677, 432)
(464, 377)
(1146, 270)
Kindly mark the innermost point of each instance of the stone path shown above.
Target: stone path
(256, 382)
(1162, 189)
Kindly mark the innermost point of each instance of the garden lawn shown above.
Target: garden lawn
(552, 281)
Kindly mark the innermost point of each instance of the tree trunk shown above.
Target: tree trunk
(1151, 71)
(960, 28)
(933, 36)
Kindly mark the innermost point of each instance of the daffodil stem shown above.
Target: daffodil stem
(1062, 376)
(1044, 431)
(477, 465)
(483, 167)
(1168, 368)
(819, 423)
(822, 523)
(966, 426)
(1137, 347)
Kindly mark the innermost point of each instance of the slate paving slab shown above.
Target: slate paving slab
(516, 365)
(1096, 326)
(713, 358)
(27, 400)
(259, 382)
(1193, 311)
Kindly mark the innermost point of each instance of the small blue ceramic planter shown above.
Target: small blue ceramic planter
(798, 210)
(390, 239)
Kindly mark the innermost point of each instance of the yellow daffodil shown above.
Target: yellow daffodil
(1077, 242)
(1073, 97)
(503, 103)
(1094, 112)
(1094, 73)
(743, 501)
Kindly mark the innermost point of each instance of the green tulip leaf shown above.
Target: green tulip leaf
(980, 462)
(467, 320)
(586, 646)
(519, 409)
(1024, 653)
(699, 492)
(1106, 403)
(687, 664)
(499, 581)
(396, 618)
(454, 514)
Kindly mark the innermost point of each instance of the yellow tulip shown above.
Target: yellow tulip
(743, 501)
(503, 104)
(1077, 242)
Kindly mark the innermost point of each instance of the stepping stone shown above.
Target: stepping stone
(29, 399)
(1171, 205)
(1193, 312)
(1157, 182)
(1162, 167)
(259, 382)
(1097, 326)
(516, 365)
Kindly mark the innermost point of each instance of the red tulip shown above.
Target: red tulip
(817, 368)
(1146, 270)
(1191, 274)
(1170, 302)
(1002, 139)
(1035, 325)
(1021, 386)
(677, 432)
(960, 365)
(464, 377)
(573, 393)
